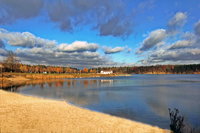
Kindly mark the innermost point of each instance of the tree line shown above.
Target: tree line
(156, 69)
(12, 64)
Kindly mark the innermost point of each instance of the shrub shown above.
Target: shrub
(176, 120)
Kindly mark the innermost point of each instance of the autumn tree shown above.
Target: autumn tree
(23, 68)
(85, 70)
(68, 70)
(92, 71)
(11, 63)
(59, 69)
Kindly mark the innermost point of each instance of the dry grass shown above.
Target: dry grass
(21, 114)
(13, 79)
(62, 75)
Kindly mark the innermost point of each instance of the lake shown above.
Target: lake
(143, 98)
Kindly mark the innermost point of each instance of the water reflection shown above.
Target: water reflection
(144, 98)
(12, 88)
(107, 82)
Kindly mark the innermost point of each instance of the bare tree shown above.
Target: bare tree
(11, 63)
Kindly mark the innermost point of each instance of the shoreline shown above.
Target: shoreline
(17, 79)
(19, 113)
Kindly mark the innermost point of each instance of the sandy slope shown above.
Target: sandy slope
(20, 113)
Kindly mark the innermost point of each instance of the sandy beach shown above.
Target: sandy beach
(21, 114)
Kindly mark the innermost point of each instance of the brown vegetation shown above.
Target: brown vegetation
(15, 79)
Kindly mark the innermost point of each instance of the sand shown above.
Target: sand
(22, 114)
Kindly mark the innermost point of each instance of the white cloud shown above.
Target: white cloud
(185, 49)
(153, 39)
(108, 17)
(181, 55)
(177, 21)
(182, 44)
(25, 39)
(78, 46)
(54, 57)
(108, 50)
(36, 50)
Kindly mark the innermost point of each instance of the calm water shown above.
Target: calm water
(144, 98)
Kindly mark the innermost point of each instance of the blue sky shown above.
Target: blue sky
(90, 33)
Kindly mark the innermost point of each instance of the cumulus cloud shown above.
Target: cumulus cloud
(53, 57)
(153, 39)
(182, 44)
(108, 50)
(11, 10)
(78, 46)
(156, 37)
(180, 52)
(174, 56)
(185, 48)
(24, 39)
(177, 21)
(35, 50)
(109, 17)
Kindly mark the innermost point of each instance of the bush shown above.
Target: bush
(176, 124)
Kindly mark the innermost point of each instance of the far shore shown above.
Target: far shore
(169, 73)
(16, 79)
(20, 113)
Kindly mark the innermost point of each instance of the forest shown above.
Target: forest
(12, 64)
(156, 69)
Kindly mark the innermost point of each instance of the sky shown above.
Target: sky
(93, 33)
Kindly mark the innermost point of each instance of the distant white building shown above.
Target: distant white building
(106, 72)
